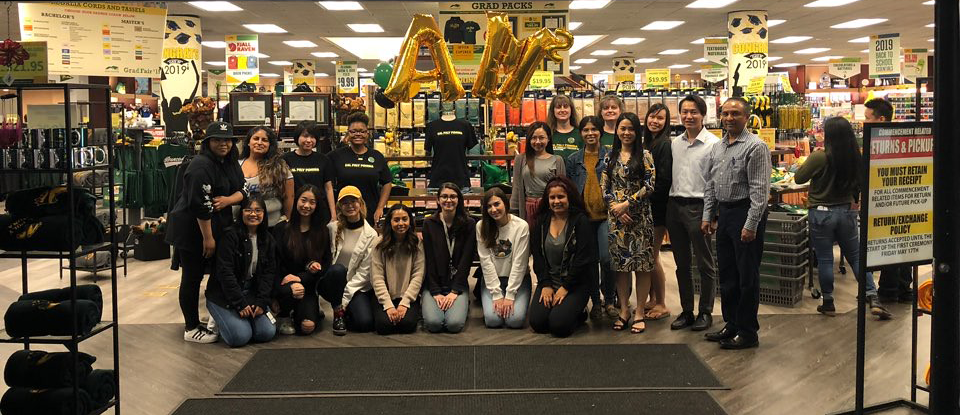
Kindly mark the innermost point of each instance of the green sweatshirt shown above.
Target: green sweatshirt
(824, 190)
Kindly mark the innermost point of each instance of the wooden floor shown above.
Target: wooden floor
(805, 364)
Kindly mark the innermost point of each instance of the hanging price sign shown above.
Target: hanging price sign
(348, 79)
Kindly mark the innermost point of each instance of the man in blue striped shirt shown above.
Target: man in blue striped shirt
(735, 208)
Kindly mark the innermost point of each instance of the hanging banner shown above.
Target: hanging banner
(844, 67)
(623, 69)
(748, 47)
(898, 205)
(304, 73)
(658, 78)
(180, 71)
(464, 25)
(348, 79)
(885, 56)
(713, 73)
(242, 62)
(915, 64)
(34, 68)
(715, 50)
(96, 39)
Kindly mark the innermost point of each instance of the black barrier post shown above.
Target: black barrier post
(945, 336)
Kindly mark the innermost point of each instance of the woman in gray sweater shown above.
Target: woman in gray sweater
(397, 274)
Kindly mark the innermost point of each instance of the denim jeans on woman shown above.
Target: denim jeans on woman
(520, 303)
(836, 224)
(237, 331)
(452, 320)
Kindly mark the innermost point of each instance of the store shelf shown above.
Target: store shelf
(61, 171)
(99, 328)
(105, 408)
(81, 251)
(96, 270)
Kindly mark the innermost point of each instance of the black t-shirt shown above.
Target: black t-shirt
(314, 169)
(367, 171)
(449, 142)
(470, 30)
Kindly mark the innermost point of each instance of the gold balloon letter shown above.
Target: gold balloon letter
(405, 81)
(520, 59)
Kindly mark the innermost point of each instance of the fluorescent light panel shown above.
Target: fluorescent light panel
(264, 28)
(216, 6)
(340, 5)
(929, 3)
(673, 51)
(931, 25)
(269, 75)
(865, 39)
(300, 43)
(281, 63)
(773, 58)
(371, 48)
(214, 44)
(710, 4)
(579, 42)
(698, 41)
(216, 63)
(662, 25)
(627, 41)
(585, 61)
(261, 55)
(588, 4)
(811, 51)
(573, 67)
(606, 72)
(825, 58)
(574, 25)
(679, 66)
(646, 60)
(603, 52)
(700, 60)
(786, 65)
(362, 70)
(365, 27)
(774, 22)
(321, 75)
(324, 54)
(829, 3)
(858, 23)
(792, 39)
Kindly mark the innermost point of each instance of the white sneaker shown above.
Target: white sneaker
(212, 326)
(285, 325)
(200, 335)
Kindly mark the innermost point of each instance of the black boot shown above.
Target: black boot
(878, 309)
(827, 308)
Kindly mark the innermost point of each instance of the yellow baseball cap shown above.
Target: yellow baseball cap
(349, 191)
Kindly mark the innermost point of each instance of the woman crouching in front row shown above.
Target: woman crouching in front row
(397, 274)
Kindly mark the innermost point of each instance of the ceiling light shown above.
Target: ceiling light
(865, 51)
(588, 4)
(811, 51)
(340, 5)
(321, 75)
(370, 48)
(362, 70)
(214, 44)
(662, 25)
(710, 4)
(673, 51)
(646, 60)
(215, 6)
(929, 3)
(216, 63)
(300, 43)
(603, 52)
(679, 66)
(858, 23)
(931, 25)
(930, 40)
(269, 75)
(829, 3)
(261, 55)
(580, 42)
(700, 60)
(791, 39)
(773, 58)
(365, 27)
(825, 58)
(865, 39)
(333, 62)
(606, 72)
(585, 61)
(264, 28)
(774, 22)
(698, 71)
(324, 54)
(573, 25)
(627, 41)
(573, 67)
(281, 63)
(786, 65)
(366, 75)
(698, 41)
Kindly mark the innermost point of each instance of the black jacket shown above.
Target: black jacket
(290, 265)
(203, 180)
(234, 254)
(437, 272)
(580, 257)
(662, 153)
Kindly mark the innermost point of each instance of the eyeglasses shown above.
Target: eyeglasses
(448, 197)
(256, 211)
(356, 132)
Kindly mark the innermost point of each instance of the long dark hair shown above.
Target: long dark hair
(528, 150)
(273, 169)
(649, 139)
(262, 228)
(460, 217)
(390, 244)
(635, 166)
(843, 153)
(317, 239)
(573, 197)
(557, 100)
(488, 225)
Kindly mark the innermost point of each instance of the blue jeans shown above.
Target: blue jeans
(836, 224)
(436, 320)
(608, 282)
(237, 331)
(520, 304)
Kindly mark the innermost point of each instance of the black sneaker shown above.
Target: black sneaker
(827, 308)
(877, 309)
(339, 325)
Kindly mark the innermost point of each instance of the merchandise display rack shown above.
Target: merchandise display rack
(72, 342)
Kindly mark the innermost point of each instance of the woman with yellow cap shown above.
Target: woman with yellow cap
(351, 240)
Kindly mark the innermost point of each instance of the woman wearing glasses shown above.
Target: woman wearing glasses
(361, 166)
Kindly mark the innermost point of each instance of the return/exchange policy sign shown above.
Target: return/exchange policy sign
(898, 201)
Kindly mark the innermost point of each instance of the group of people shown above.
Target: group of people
(592, 214)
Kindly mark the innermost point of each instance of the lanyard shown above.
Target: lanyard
(450, 241)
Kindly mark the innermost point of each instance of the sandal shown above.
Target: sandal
(637, 330)
(654, 317)
(621, 323)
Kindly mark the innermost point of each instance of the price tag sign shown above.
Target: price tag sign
(756, 85)
(769, 136)
(462, 52)
(542, 80)
(658, 78)
(348, 79)
(34, 68)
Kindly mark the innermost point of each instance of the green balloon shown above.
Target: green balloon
(381, 75)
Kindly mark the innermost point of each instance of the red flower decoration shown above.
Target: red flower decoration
(12, 53)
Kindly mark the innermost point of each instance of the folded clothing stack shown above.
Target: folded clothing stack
(49, 312)
(38, 217)
(42, 383)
